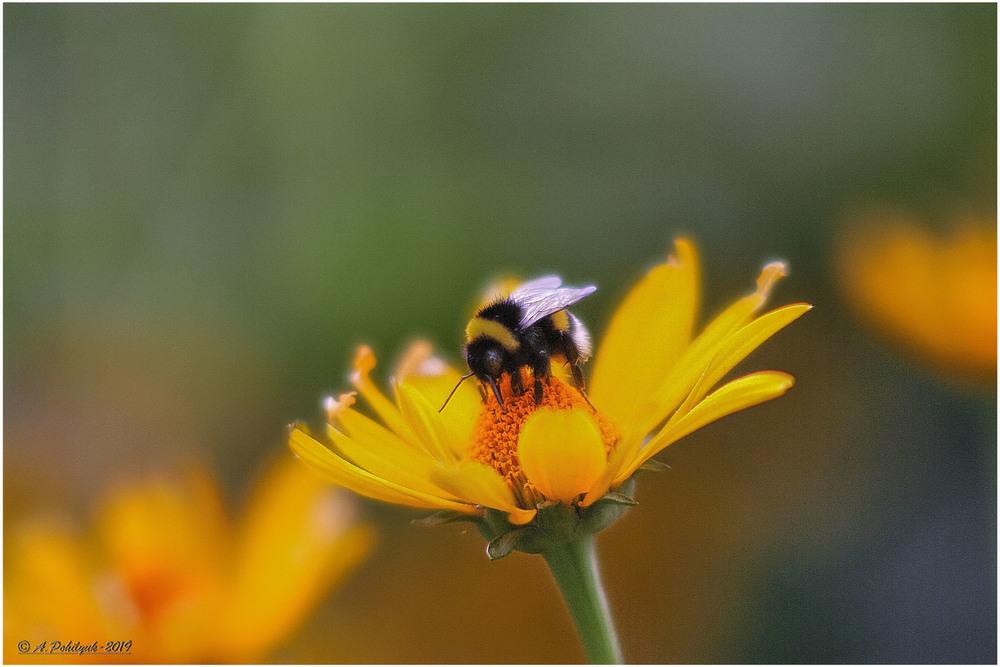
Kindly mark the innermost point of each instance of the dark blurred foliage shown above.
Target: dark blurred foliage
(207, 206)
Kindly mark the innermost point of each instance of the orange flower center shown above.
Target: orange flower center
(494, 439)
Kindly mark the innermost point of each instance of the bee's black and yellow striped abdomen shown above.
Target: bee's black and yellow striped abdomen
(560, 320)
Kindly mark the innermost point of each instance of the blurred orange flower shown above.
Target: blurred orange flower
(935, 296)
(164, 575)
(653, 381)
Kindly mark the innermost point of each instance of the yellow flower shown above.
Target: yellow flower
(938, 297)
(652, 384)
(165, 570)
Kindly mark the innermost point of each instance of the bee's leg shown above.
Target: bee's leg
(578, 381)
(542, 368)
(573, 358)
(516, 383)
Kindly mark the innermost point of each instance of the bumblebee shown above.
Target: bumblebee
(527, 328)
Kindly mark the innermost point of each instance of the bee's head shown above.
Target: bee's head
(485, 357)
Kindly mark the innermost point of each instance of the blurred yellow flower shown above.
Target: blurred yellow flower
(651, 385)
(935, 296)
(163, 575)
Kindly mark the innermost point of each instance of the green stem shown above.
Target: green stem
(574, 565)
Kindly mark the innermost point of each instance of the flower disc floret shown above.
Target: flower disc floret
(499, 432)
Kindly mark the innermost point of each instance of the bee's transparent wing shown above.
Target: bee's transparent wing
(543, 296)
(543, 284)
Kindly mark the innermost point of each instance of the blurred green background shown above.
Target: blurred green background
(207, 207)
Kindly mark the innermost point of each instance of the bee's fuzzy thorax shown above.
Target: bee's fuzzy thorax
(481, 327)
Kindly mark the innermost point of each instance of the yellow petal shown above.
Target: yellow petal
(426, 424)
(361, 481)
(936, 295)
(736, 347)
(167, 541)
(49, 586)
(414, 361)
(646, 336)
(296, 525)
(734, 396)
(379, 451)
(364, 362)
(166, 523)
(364, 429)
(335, 407)
(435, 380)
(561, 453)
(480, 484)
(619, 457)
(675, 385)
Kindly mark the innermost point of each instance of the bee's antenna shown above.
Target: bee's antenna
(464, 378)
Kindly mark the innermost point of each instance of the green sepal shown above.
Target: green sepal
(618, 499)
(447, 516)
(608, 509)
(493, 524)
(652, 465)
(554, 524)
(504, 544)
